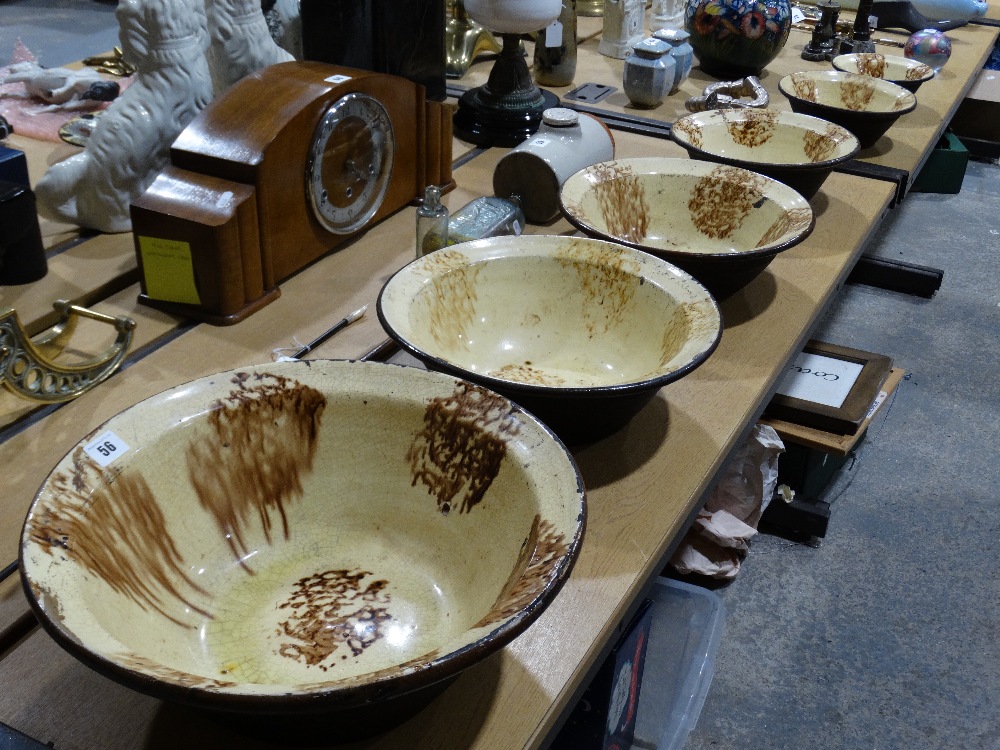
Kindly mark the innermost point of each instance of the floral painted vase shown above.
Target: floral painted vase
(737, 38)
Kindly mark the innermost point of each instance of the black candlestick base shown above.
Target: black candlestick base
(506, 109)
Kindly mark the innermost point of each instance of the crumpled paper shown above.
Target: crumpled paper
(719, 538)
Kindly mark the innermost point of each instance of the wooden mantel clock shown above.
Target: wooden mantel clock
(277, 171)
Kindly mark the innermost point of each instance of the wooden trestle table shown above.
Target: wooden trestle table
(644, 483)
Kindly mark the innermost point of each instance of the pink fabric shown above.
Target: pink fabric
(23, 112)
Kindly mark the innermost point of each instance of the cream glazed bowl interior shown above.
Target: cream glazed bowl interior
(798, 150)
(721, 224)
(303, 537)
(897, 69)
(866, 106)
(581, 332)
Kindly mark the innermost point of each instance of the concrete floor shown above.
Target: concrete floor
(887, 634)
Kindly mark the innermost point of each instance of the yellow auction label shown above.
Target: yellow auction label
(168, 270)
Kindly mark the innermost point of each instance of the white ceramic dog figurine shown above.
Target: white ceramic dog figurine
(166, 40)
(241, 43)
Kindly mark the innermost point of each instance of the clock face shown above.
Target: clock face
(350, 163)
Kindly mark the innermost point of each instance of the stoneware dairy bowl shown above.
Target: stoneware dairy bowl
(795, 149)
(581, 332)
(303, 537)
(866, 106)
(721, 224)
(893, 68)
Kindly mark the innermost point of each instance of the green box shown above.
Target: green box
(945, 167)
(808, 471)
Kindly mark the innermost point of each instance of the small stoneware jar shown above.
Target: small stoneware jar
(535, 170)
(649, 72)
(681, 51)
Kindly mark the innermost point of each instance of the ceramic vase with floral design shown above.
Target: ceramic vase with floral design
(736, 38)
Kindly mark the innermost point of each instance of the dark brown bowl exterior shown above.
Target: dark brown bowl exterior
(578, 419)
(867, 127)
(804, 179)
(722, 274)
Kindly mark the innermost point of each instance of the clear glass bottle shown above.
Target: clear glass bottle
(555, 49)
(432, 222)
(486, 217)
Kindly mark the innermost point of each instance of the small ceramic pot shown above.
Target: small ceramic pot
(736, 38)
(931, 47)
(535, 170)
(649, 72)
(681, 51)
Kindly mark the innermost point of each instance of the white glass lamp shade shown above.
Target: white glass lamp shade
(514, 16)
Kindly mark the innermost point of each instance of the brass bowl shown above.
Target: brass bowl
(320, 538)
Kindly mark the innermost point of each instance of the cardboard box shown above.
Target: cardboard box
(978, 115)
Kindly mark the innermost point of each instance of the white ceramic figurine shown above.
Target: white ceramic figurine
(241, 43)
(166, 40)
(61, 87)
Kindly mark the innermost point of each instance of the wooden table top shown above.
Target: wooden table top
(644, 483)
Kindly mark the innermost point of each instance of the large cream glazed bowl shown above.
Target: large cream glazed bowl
(897, 69)
(579, 331)
(302, 537)
(866, 106)
(722, 224)
(798, 150)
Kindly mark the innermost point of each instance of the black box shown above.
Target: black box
(387, 36)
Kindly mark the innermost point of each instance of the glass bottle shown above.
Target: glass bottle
(555, 49)
(432, 222)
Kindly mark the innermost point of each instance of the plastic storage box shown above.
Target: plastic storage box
(684, 636)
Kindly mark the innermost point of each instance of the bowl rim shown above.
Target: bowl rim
(907, 62)
(340, 695)
(482, 250)
(841, 75)
(785, 117)
(757, 253)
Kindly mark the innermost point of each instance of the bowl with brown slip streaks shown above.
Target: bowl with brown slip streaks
(581, 332)
(303, 539)
(722, 224)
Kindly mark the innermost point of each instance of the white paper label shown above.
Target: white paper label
(820, 379)
(106, 448)
(337, 79)
(553, 34)
(540, 142)
(797, 15)
(882, 395)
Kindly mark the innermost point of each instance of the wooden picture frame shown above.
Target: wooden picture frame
(847, 418)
